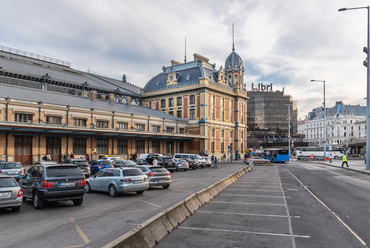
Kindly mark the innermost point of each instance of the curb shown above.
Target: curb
(149, 233)
(348, 168)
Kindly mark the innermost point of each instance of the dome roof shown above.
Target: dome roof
(234, 61)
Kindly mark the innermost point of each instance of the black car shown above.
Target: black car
(82, 163)
(167, 162)
(192, 164)
(53, 182)
(142, 162)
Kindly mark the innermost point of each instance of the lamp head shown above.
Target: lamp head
(342, 9)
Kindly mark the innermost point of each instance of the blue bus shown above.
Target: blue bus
(277, 155)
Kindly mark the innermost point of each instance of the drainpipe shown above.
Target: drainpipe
(7, 99)
(6, 147)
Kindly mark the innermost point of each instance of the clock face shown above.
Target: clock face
(171, 78)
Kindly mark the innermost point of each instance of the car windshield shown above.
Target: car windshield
(197, 157)
(6, 165)
(128, 162)
(63, 171)
(158, 169)
(168, 160)
(183, 161)
(80, 162)
(7, 182)
(105, 162)
(133, 172)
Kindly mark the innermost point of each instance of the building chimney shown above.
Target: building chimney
(102, 96)
(93, 95)
(85, 94)
(111, 97)
(128, 100)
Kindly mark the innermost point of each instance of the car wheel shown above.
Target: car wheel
(88, 188)
(16, 209)
(140, 192)
(193, 168)
(185, 169)
(112, 191)
(166, 186)
(37, 203)
(78, 202)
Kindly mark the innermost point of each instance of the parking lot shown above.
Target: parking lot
(101, 218)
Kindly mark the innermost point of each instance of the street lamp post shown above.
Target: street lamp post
(368, 86)
(323, 81)
(289, 129)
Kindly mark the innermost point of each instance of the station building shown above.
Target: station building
(213, 101)
(47, 107)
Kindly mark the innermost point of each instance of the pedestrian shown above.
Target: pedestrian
(218, 162)
(71, 155)
(87, 157)
(134, 157)
(344, 160)
(48, 157)
(213, 161)
(155, 162)
(44, 158)
(64, 156)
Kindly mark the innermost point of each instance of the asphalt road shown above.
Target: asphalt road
(295, 204)
(101, 218)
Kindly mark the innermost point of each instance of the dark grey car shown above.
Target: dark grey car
(158, 176)
(53, 182)
(82, 163)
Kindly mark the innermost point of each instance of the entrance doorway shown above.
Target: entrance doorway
(53, 148)
(23, 149)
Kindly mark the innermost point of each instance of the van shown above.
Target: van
(197, 158)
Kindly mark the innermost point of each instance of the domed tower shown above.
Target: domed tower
(234, 69)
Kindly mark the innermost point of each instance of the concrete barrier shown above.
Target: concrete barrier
(204, 196)
(132, 239)
(215, 189)
(192, 203)
(177, 213)
(154, 229)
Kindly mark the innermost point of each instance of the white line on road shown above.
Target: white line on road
(247, 203)
(257, 196)
(263, 215)
(249, 232)
(276, 191)
(340, 220)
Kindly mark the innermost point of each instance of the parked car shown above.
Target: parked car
(257, 160)
(158, 176)
(14, 169)
(11, 194)
(82, 163)
(208, 161)
(142, 162)
(124, 163)
(192, 164)
(97, 165)
(181, 164)
(110, 157)
(1, 161)
(118, 180)
(149, 157)
(197, 158)
(167, 162)
(53, 182)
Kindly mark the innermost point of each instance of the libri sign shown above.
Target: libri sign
(261, 86)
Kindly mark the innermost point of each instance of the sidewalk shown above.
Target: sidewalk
(354, 165)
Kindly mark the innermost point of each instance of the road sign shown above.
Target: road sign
(228, 147)
(330, 147)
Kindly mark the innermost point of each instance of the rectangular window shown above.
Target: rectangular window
(79, 146)
(213, 133)
(140, 127)
(182, 130)
(156, 146)
(163, 103)
(212, 147)
(192, 114)
(181, 147)
(54, 120)
(122, 146)
(102, 124)
(179, 101)
(170, 112)
(222, 147)
(170, 129)
(123, 125)
(192, 99)
(101, 146)
(170, 102)
(222, 133)
(20, 117)
(79, 122)
(179, 113)
(140, 146)
(156, 129)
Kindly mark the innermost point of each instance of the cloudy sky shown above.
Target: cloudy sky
(283, 42)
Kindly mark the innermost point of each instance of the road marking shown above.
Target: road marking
(256, 196)
(247, 203)
(263, 215)
(287, 212)
(293, 189)
(277, 191)
(249, 232)
(79, 230)
(148, 203)
(340, 220)
(74, 246)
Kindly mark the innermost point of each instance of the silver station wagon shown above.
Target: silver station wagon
(14, 169)
(118, 180)
(11, 195)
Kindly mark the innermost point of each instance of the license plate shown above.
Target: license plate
(66, 184)
(162, 181)
(137, 181)
(12, 172)
(4, 194)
